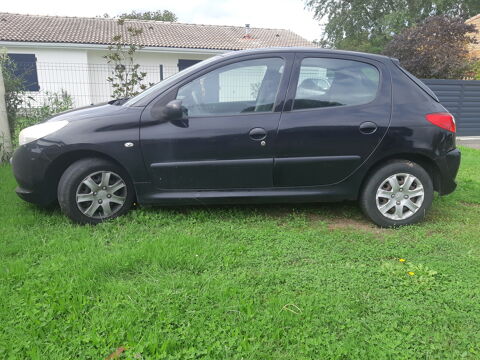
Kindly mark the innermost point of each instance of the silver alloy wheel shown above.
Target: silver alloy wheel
(101, 194)
(400, 196)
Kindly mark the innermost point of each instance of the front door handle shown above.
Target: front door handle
(368, 127)
(257, 134)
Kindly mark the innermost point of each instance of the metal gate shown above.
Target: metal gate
(462, 99)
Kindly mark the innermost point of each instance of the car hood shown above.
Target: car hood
(100, 111)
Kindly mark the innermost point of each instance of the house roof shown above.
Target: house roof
(475, 48)
(61, 29)
(473, 18)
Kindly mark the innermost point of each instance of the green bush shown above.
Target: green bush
(476, 70)
(20, 124)
(14, 88)
(23, 110)
(34, 113)
(52, 103)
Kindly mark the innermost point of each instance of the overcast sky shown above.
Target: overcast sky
(283, 14)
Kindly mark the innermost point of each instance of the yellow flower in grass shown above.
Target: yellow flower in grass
(411, 273)
(402, 260)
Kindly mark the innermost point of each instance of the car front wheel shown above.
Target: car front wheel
(91, 191)
(397, 194)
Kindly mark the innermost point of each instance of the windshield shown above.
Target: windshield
(164, 84)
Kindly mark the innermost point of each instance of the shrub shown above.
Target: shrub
(437, 48)
(33, 113)
(4, 152)
(126, 77)
(476, 70)
(52, 103)
(14, 88)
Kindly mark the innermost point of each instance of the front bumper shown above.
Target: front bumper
(30, 170)
(34, 196)
(448, 166)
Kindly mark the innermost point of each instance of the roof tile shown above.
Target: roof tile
(57, 29)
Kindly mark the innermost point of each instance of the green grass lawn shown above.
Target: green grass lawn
(242, 282)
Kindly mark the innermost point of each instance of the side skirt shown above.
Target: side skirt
(148, 195)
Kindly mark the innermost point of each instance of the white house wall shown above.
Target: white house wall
(82, 72)
(59, 69)
(149, 62)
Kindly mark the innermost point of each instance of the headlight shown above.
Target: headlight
(36, 132)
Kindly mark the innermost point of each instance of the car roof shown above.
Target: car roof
(377, 57)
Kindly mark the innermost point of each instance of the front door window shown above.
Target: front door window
(249, 86)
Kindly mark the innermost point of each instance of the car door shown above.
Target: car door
(337, 111)
(225, 140)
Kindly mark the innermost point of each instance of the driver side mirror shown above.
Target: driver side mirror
(172, 111)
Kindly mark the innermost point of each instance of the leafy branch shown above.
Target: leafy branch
(126, 77)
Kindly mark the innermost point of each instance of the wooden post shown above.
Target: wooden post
(5, 139)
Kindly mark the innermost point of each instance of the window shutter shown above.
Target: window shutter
(26, 68)
(183, 64)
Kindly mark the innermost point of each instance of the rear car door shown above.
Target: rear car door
(337, 112)
(226, 140)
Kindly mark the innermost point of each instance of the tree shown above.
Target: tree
(437, 48)
(126, 78)
(14, 88)
(476, 70)
(158, 15)
(367, 25)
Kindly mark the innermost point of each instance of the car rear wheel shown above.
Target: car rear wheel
(91, 191)
(397, 194)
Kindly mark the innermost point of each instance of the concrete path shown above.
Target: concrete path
(470, 141)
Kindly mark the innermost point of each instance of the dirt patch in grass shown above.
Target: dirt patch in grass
(337, 216)
(340, 223)
(358, 225)
(469, 204)
(348, 223)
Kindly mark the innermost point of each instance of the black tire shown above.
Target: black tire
(72, 180)
(369, 201)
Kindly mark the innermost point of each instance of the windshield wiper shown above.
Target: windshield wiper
(118, 101)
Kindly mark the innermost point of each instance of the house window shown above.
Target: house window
(26, 69)
(183, 64)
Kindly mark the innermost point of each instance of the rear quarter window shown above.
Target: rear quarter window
(417, 81)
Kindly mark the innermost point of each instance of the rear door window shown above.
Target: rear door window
(326, 82)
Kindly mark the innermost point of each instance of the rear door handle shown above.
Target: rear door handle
(257, 134)
(368, 127)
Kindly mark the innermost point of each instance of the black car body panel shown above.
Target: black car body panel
(96, 131)
(323, 146)
(279, 155)
(213, 152)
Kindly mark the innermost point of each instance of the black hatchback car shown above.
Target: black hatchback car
(256, 126)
